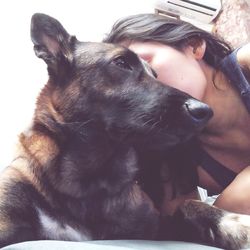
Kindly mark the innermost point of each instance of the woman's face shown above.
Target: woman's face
(180, 69)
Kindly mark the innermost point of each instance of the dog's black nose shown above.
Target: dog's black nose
(198, 111)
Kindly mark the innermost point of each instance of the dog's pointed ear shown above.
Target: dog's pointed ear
(51, 41)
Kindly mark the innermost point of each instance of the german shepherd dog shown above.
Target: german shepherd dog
(76, 170)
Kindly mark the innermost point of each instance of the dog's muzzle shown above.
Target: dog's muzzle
(197, 111)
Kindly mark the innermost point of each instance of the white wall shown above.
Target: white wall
(22, 73)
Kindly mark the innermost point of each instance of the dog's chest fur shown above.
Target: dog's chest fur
(51, 228)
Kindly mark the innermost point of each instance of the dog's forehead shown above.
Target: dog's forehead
(92, 51)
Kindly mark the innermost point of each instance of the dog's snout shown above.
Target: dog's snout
(198, 111)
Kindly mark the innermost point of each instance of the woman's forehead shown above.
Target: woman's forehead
(147, 47)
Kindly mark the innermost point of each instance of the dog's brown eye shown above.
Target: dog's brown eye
(122, 63)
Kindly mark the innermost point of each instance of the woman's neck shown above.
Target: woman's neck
(231, 148)
(227, 135)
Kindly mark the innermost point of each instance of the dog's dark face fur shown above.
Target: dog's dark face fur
(77, 166)
(109, 86)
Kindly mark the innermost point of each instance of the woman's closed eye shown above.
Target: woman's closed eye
(146, 57)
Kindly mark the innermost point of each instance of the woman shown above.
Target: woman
(194, 61)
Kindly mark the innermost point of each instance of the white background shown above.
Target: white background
(22, 74)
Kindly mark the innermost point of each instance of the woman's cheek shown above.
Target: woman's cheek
(192, 83)
(194, 89)
(197, 92)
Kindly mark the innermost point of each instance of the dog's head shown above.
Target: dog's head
(111, 87)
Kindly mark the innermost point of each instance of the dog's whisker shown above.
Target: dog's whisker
(76, 126)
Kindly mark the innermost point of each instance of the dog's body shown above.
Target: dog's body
(76, 171)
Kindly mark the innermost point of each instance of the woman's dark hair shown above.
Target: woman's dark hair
(169, 31)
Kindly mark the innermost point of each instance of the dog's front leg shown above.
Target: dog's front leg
(10, 234)
(200, 222)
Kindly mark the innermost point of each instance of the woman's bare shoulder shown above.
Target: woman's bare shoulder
(243, 56)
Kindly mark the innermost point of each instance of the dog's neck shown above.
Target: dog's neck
(85, 158)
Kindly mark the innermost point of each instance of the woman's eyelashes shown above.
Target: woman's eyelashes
(154, 73)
